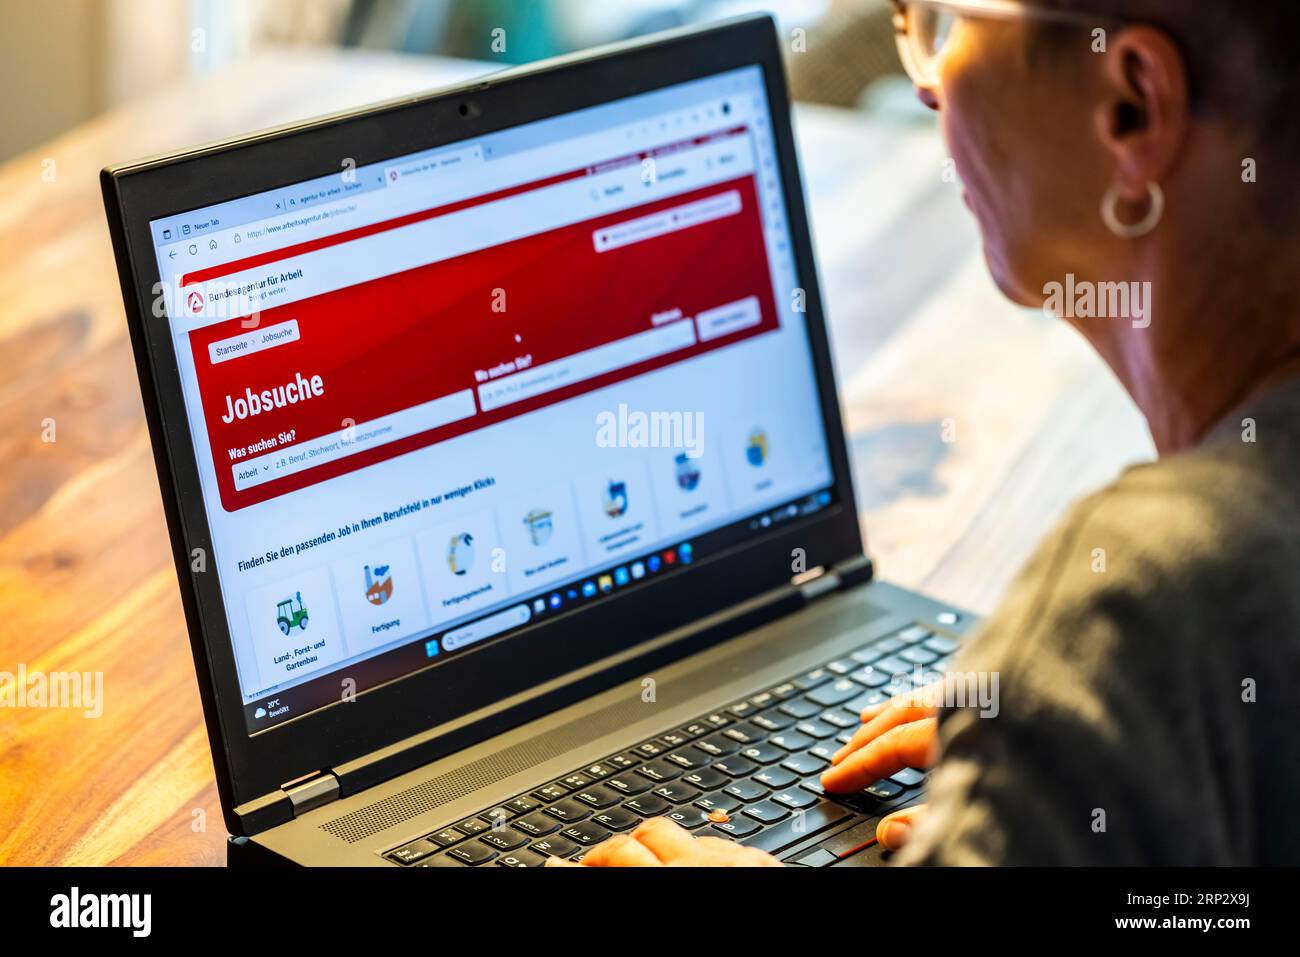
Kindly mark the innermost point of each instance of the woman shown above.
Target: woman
(1143, 153)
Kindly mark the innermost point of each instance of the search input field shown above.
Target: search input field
(358, 438)
(586, 365)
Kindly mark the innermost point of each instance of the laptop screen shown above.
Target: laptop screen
(438, 399)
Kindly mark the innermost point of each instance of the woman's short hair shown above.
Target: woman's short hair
(1241, 59)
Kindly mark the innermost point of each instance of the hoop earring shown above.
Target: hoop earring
(1136, 230)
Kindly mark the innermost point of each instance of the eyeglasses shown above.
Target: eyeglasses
(922, 28)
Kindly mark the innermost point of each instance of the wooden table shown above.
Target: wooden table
(923, 341)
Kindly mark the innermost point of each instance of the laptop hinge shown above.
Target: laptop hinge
(310, 793)
(819, 581)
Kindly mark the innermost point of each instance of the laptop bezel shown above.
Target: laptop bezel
(253, 767)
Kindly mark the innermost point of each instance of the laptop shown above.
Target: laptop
(504, 472)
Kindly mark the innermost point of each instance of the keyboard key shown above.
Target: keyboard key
(842, 666)
(617, 819)
(801, 708)
(675, 739)
(651, 749)
(867, 699)
(791, 741)
(941, 644)
(706, 779)
(647, 805)
(575, 781)
(688, 817)
(718, 801)
(628, 784)
(624, 762)
(474, 853)
(913, 634)
(824, 750)
(677, 793)
(415, 851)
(812, 821)
(841, 718)
(772, 720)
(908, 777)
(523, 804)
(688, 758)
(872, 676)
(775, 777)
(747, 790)
(742, 709)
(736, 767)
(784, 690)
(717, 745)
(766, 812)
(599, 770)
(836, 692)
(586, 834)
(814, 786)
(440, 860)
(894, 665)
(815, 729)
(745, 733)
(717, 720)
(763, 753)
(473, 826)
(873, 653)
(552, 792)
(598, 796)
(818, 676)
(521, 859)
(884, 790)
(568, 810)
(918, 655)
(795, 799)
(506, 839)
(697, 729)
(659, 771)
(738, 827)
(804, 764)
(447, 837)
(536, 824)
(553, 846)
(762, 700)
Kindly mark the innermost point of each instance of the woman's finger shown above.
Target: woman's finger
(894, 830)
(906, 746)
(666, 839)
(891, 717)
(621, 850)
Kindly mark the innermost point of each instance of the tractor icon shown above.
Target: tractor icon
(288, 617)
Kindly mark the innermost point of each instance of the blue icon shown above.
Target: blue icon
(431, 648)
(638, 570)
(685, 553)
(652, 563)
(572, 594)
(688, 472)
(588, 589)
(555, 600)
(756, 450)
(621, 576)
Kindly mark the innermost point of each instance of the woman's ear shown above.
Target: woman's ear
(1145, 111)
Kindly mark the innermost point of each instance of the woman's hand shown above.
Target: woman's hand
(659, 842)
(895, 734)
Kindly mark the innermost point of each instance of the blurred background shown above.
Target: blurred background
(74, 59)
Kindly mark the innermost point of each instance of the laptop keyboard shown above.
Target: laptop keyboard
(749, 772)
